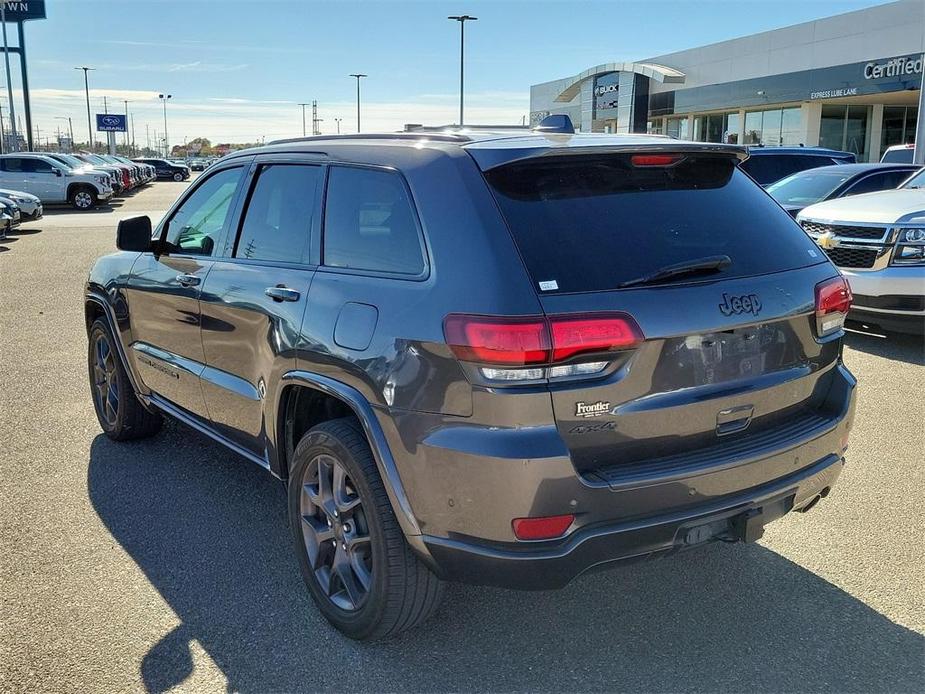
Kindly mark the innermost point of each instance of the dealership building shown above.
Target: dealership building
(849, 82)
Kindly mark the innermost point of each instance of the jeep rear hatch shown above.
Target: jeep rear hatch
(680, 305)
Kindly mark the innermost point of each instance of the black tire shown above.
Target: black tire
(122, 417)
(402, 592)
(84, 198)
(178, 177)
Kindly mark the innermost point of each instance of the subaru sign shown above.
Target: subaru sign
(110, 123)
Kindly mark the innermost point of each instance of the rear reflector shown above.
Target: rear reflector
(532, 340)
(655, 159)
(544, 528)
(833, 299)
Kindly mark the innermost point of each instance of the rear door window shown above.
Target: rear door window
(370, 224)
(279, 216)
(591, 223)
(878, 181)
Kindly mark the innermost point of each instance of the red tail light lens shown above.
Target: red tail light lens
(532, 340)
(655, 159)
(498, 340)
(543, 528)
(580, 335)
(833, 299)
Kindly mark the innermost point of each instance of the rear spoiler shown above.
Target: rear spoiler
(490, 154)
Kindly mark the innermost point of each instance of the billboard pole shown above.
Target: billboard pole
(14, 144)
(27, 106)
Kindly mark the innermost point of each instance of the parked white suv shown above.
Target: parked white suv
(877, 240)
(53, 182)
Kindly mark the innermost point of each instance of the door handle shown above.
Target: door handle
(281, 293)
(185, 280)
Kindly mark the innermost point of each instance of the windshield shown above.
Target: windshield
(806, 187)
(73, 162)
(916, 181)
(591, 223)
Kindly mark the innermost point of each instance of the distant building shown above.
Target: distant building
(848, 82)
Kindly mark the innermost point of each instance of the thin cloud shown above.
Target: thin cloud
(199, 66)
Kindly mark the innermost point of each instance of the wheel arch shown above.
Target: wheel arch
(354, 402)
(72, 188)
(96, 307)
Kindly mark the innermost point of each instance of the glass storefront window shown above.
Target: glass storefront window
(776, 126)
(845, 128)
(731, 135)
(898, 126)
(654, 126)
(677, 127)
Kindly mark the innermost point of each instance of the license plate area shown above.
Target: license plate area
(742, 526)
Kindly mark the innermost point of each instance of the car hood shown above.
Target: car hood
(18, 194)
(886, 206)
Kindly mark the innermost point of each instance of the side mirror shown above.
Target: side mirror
(58, 173)
(134, 234)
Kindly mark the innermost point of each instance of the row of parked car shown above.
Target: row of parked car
(30, 180)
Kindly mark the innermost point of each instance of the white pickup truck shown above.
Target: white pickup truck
(54, 182)
(877, 240)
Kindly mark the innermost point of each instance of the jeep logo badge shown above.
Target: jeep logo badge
(591, 409)
(746, 303)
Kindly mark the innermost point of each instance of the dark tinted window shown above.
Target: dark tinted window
(591, 223)
(767, 168)
(40, 166)
(369, 223)
(878, 181)
(14, 164)
(806, 187)
(898, 156)
(197, 225)
(278, 220)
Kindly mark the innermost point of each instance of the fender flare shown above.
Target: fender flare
(385, 463)
(109, 314)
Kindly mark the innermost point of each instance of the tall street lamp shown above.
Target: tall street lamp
(359, 76)
(127, 149)
(462, 19)
(338, 120)
(303, 119)
(163, 98)
(90, 143)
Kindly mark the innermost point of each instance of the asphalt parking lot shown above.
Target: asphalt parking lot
(166, 563)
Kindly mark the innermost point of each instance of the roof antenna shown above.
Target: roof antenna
(557, 123)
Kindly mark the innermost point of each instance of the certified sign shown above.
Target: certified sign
(110, 123)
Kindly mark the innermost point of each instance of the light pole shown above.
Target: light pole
(163, 98)
(303, 119)
(462, 19)
(918, 152)
(359, 76)
(90, 143)
(338, 120)
(127, 150)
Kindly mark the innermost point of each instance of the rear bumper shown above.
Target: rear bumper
(620, 517)
(597, 546)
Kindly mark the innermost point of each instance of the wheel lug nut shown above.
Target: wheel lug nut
(335, 514)
(343, 545)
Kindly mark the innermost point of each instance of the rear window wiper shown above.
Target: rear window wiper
(712, 263)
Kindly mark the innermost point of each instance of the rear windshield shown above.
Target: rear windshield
(591, 223)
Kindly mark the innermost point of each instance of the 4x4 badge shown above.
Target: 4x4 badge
(746, 303)
(591, 409)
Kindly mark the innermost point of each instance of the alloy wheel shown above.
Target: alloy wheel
(336, 533)
(105, 382)
(83, 200)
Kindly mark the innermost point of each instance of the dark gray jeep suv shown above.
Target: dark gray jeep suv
(497, 358)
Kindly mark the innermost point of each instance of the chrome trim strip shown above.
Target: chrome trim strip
(861, 307)
(203, 428)
(230, 382)
(169, 359)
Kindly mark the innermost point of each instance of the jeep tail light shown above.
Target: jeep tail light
(833, 299)
(572, 336)
(543, 344)
(498, 340)
(542, 528)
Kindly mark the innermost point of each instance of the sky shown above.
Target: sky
(237, 69)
